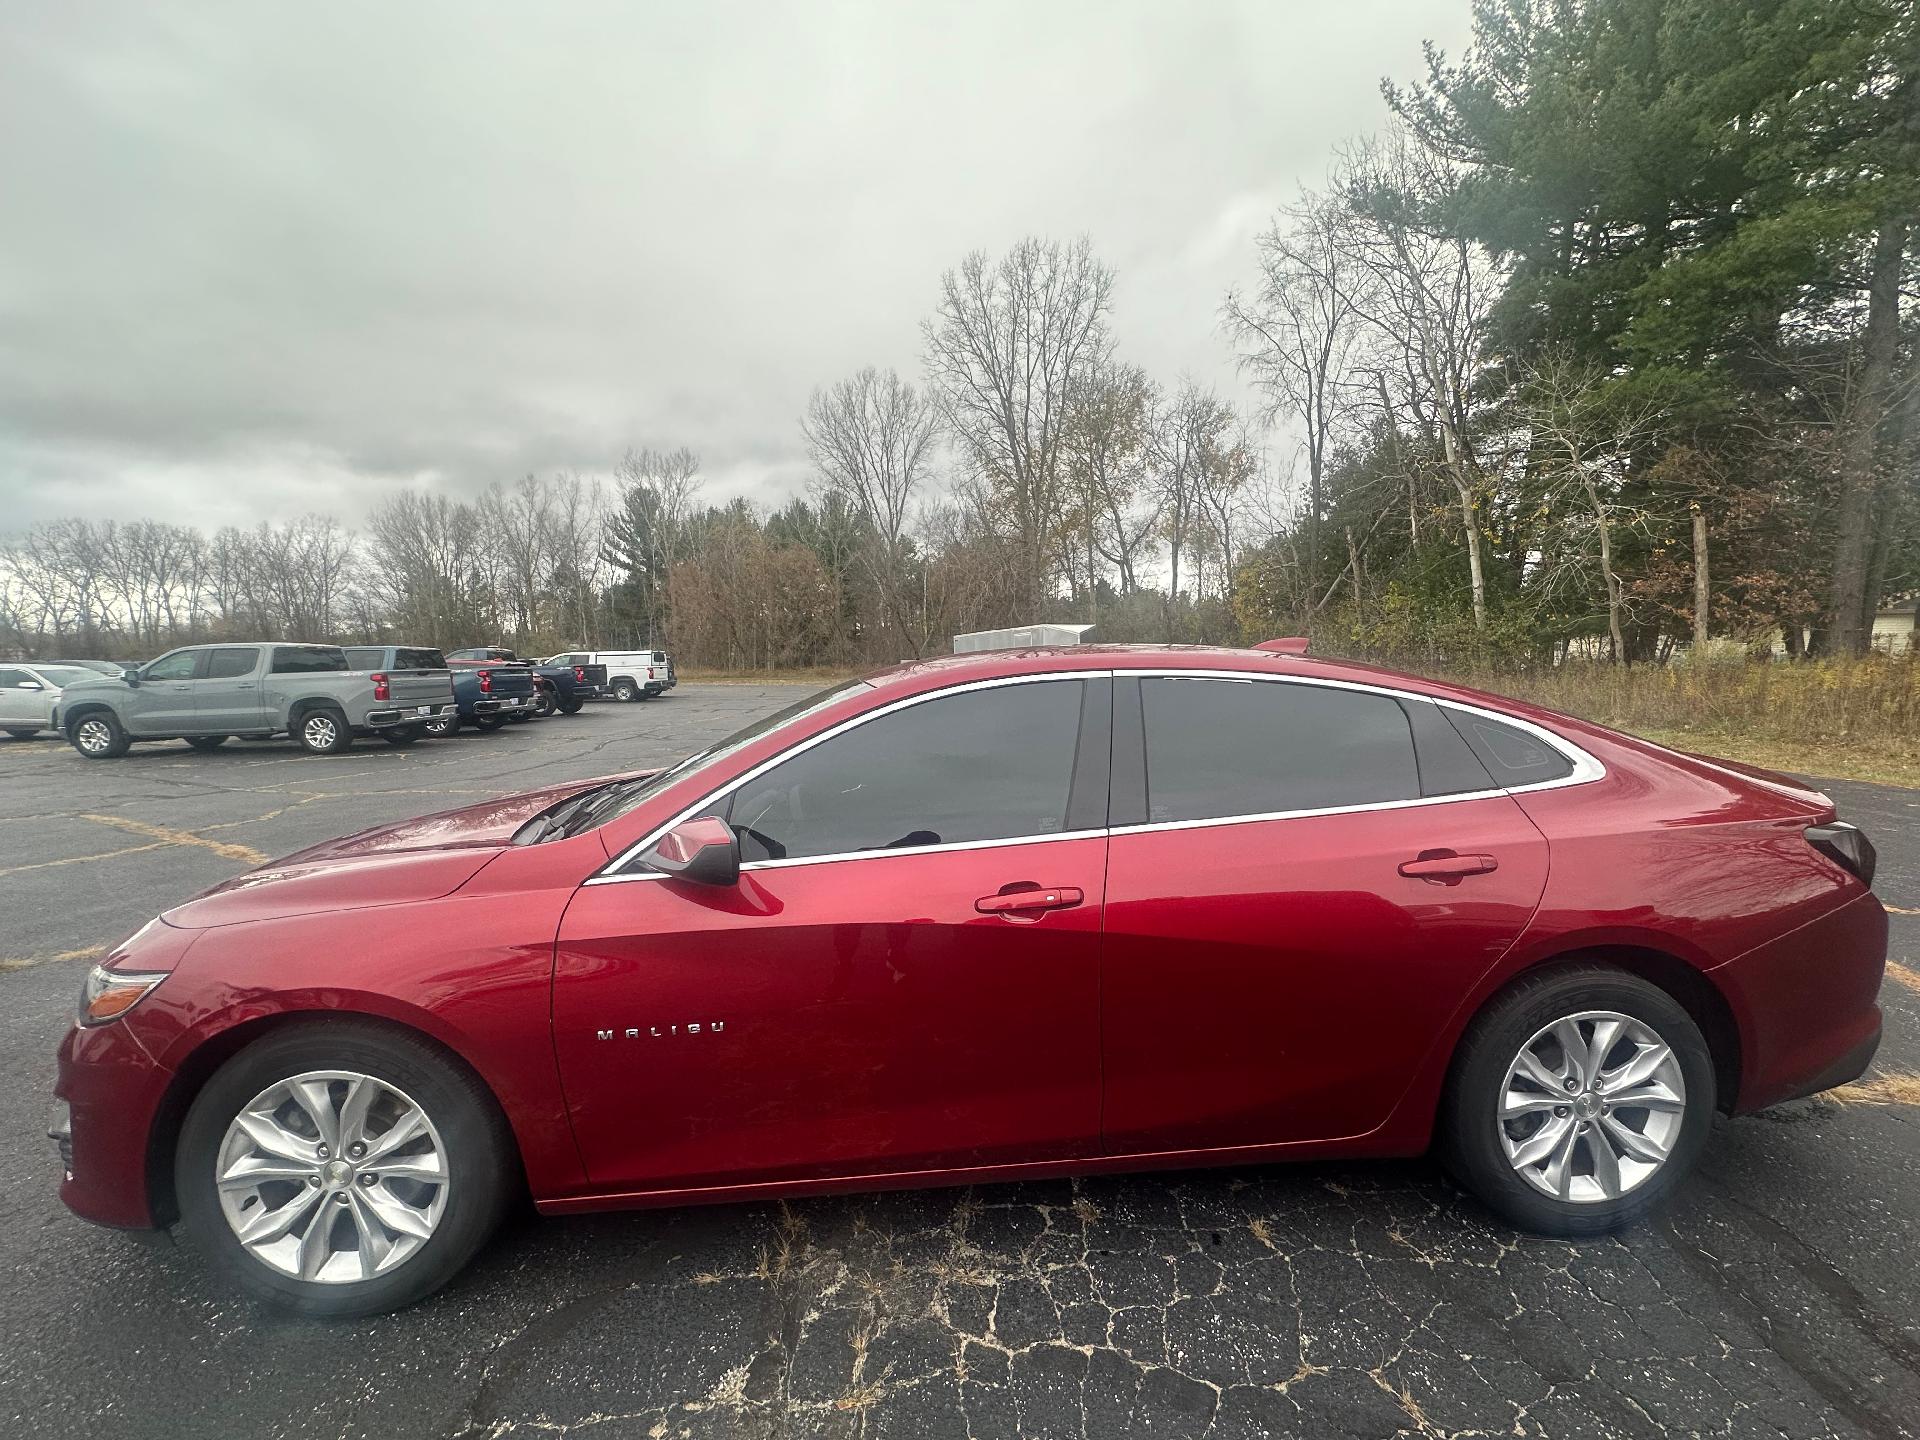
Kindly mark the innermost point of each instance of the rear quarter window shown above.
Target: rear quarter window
(419, 660)
(1512, 755)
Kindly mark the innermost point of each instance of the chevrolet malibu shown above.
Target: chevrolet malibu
(984, 918)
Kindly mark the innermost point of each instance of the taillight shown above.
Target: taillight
(1847, 845)
(486, 682)
(381, 691)
(579, 674)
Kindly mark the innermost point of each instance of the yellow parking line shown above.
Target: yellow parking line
(1897, 909)
(1903, 975)
(225, 849)
(81, 859)
(27, 962)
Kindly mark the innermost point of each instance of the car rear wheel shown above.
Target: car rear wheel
(489, 722)
(1578, 1101)
(403, 734)
(625, 690)
(206, 742)
(323, 732)
(571, 705)
(99, 735)
(443, 726)
(342, 1169)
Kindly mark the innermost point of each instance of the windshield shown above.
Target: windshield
(594, 808)
(66, 674)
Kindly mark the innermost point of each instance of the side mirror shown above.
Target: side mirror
(704, 850)
(29, 685)
(132, 677)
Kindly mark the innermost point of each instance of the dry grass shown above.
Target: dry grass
(1856, 719)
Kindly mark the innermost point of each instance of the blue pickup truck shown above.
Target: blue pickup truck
(558, 687)
(487, 696)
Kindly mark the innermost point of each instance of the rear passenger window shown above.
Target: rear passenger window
(989, 764)
(1219, 748)
(227, 664)
(419, 660)
(1512, 755)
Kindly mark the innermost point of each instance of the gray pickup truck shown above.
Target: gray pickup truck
(205, 693)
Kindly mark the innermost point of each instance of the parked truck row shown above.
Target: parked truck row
(322, 696)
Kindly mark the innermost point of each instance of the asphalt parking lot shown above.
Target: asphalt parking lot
(1778, 1296)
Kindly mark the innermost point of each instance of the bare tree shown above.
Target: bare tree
(1109, 455)
(870, 438)
(1006, 350)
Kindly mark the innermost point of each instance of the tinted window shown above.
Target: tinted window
(419, 660)
(307, 659)
(1221, 747)
(983, 765)
(66, 674)
(1447, 765)
(226, 664)
(10, 679)
(1511, 755)
(181, 665)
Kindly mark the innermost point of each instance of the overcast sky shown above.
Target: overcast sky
(258, 259)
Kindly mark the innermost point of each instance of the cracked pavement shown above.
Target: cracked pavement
(1776, 1297)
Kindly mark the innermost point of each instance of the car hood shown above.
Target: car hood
(411, 860)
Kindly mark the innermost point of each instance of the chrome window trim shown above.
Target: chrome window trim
(1587, 768)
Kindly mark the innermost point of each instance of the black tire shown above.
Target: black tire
(1471, 1133)
(98, 735)
(571, 705)
(403, 735)
(204, 743)
(488, 723)
(322, 730)
(19, 734)
(439, 729)
(481, 1166)
(624, 689)
(546, 703)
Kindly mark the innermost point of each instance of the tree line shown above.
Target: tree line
(1604, 345)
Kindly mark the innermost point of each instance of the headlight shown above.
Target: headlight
(109, 994)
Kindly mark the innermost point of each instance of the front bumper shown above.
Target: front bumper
(409, 715)
(109, 1093)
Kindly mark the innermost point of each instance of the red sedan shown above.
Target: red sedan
(983, 918)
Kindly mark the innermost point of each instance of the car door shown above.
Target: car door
(1303, 882)
(20, 704)
(165, 700)
(905, 978)
(229, 697)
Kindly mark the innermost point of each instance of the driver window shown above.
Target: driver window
(181, 665)
(989, 764)
(10, 679)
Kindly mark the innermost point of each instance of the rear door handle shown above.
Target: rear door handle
(1030, 902)
(1447, 867)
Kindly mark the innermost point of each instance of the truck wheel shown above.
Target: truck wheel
(403, 735)
(545, 707)
(99, 735)
(204, 743)
(488, 723)
(571, 705)
(323, 731)
(624, 689)
(339, 1168)
(443, 726)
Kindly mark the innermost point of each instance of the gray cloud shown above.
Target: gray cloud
(257, 260)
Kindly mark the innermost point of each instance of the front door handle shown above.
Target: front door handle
(1446, 867)
(1030, 901)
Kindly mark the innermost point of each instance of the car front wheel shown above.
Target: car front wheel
(1578, 1101)
(442, 726)
(625, 690)
(99, 735)
(342, 1169)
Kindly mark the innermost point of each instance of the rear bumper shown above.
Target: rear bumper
(1807, 1005)
(506, 705)
(386, 718)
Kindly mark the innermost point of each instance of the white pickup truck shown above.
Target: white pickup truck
(205, 693)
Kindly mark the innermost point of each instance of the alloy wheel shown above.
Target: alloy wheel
(320, 731)
(1592, 1106)
(94, 736)
(332, 1176)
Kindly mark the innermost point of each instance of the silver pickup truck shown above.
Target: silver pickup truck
(205, 693)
